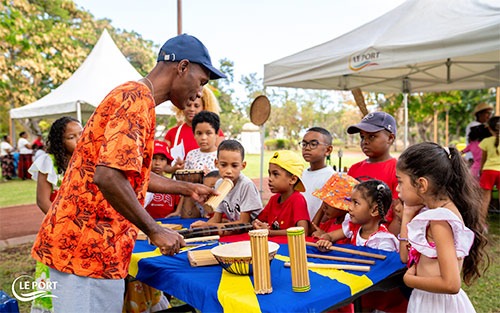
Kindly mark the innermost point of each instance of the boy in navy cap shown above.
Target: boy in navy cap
(377, 132)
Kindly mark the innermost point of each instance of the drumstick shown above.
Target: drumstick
(200, 239)
(338, 258)
(361, 268)
(214, 230)
(351, 251)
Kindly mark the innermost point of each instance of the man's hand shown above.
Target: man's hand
(168, 241)
(200, 193)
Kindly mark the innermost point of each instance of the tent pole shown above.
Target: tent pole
(406, 119)
(78, 111)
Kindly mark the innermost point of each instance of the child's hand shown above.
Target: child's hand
(173, 214)
(412, 270)
(178, 165)
(324, 245)
(317, 231)
(260, 225)
(198, 224)
(411, 211)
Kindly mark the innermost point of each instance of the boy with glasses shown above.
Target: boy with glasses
(316, 149)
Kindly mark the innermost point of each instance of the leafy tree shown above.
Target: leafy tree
(44, 42)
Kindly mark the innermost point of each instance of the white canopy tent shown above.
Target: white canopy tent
(104, 68)
(422, 45)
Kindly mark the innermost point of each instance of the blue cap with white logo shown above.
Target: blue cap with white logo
(188, 47)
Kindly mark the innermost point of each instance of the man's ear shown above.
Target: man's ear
(183, 66)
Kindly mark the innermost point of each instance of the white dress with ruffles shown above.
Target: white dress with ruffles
(423, 301)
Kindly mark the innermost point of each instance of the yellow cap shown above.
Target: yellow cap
(291, 162)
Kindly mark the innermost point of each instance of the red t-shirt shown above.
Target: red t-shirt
(186, 136)
(384, 171)
(286, 214)
(162, 205)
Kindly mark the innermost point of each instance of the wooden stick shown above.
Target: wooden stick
(361, 268)
(200, 239)
(338, 258)
(351, 251)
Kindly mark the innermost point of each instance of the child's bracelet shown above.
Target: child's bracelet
(402, 239)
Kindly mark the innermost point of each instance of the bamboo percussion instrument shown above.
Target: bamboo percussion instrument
(338, 258)
(223, 189)
(298, 259)
(142, 236)
(190, 176)
(260, 261)
(351, 251)
(361, 268)
(201, 258)
(200, 239)
(215, 230)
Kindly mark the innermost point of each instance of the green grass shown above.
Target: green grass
(16, 192)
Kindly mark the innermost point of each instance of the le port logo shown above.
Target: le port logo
(363, 59)
(26, 289)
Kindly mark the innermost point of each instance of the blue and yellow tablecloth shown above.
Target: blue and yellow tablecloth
(211, 289)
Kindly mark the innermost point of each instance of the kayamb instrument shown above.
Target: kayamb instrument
(260, 261)
(298, 259)
(223, 189)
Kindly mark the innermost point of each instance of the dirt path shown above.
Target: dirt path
(19, 224)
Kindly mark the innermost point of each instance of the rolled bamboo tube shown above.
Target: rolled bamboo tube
(298, 259)
(214, 201)
(260, 261)
(338, 258)
(361, 268)
(200, 239)
(352, 251)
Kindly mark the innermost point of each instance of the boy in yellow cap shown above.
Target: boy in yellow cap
(288, 207)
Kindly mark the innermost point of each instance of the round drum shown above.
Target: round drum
(190, 176)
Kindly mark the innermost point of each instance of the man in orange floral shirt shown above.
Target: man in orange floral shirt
(88, 234)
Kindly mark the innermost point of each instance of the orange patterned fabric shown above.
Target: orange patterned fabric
(336, 192)
(82, 234)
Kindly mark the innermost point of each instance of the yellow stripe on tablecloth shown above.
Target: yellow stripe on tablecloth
(133, 268)
(236, 294)
(354, 282)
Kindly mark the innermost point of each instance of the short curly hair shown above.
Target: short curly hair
(208, 100)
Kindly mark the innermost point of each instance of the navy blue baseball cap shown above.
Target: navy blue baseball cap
(374, 122)
(188, 47)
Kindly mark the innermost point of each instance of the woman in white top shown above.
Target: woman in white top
(6, 158)
(25, 156)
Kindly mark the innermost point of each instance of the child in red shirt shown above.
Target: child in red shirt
(288, 207)
(377, 131)
(336, 195)
(160, 205)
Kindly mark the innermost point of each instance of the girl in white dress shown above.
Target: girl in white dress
(364, 224)
(441, 235)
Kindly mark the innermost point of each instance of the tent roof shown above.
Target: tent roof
(436, 45)
(104, 68)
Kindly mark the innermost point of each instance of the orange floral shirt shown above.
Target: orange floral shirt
(82, 234)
